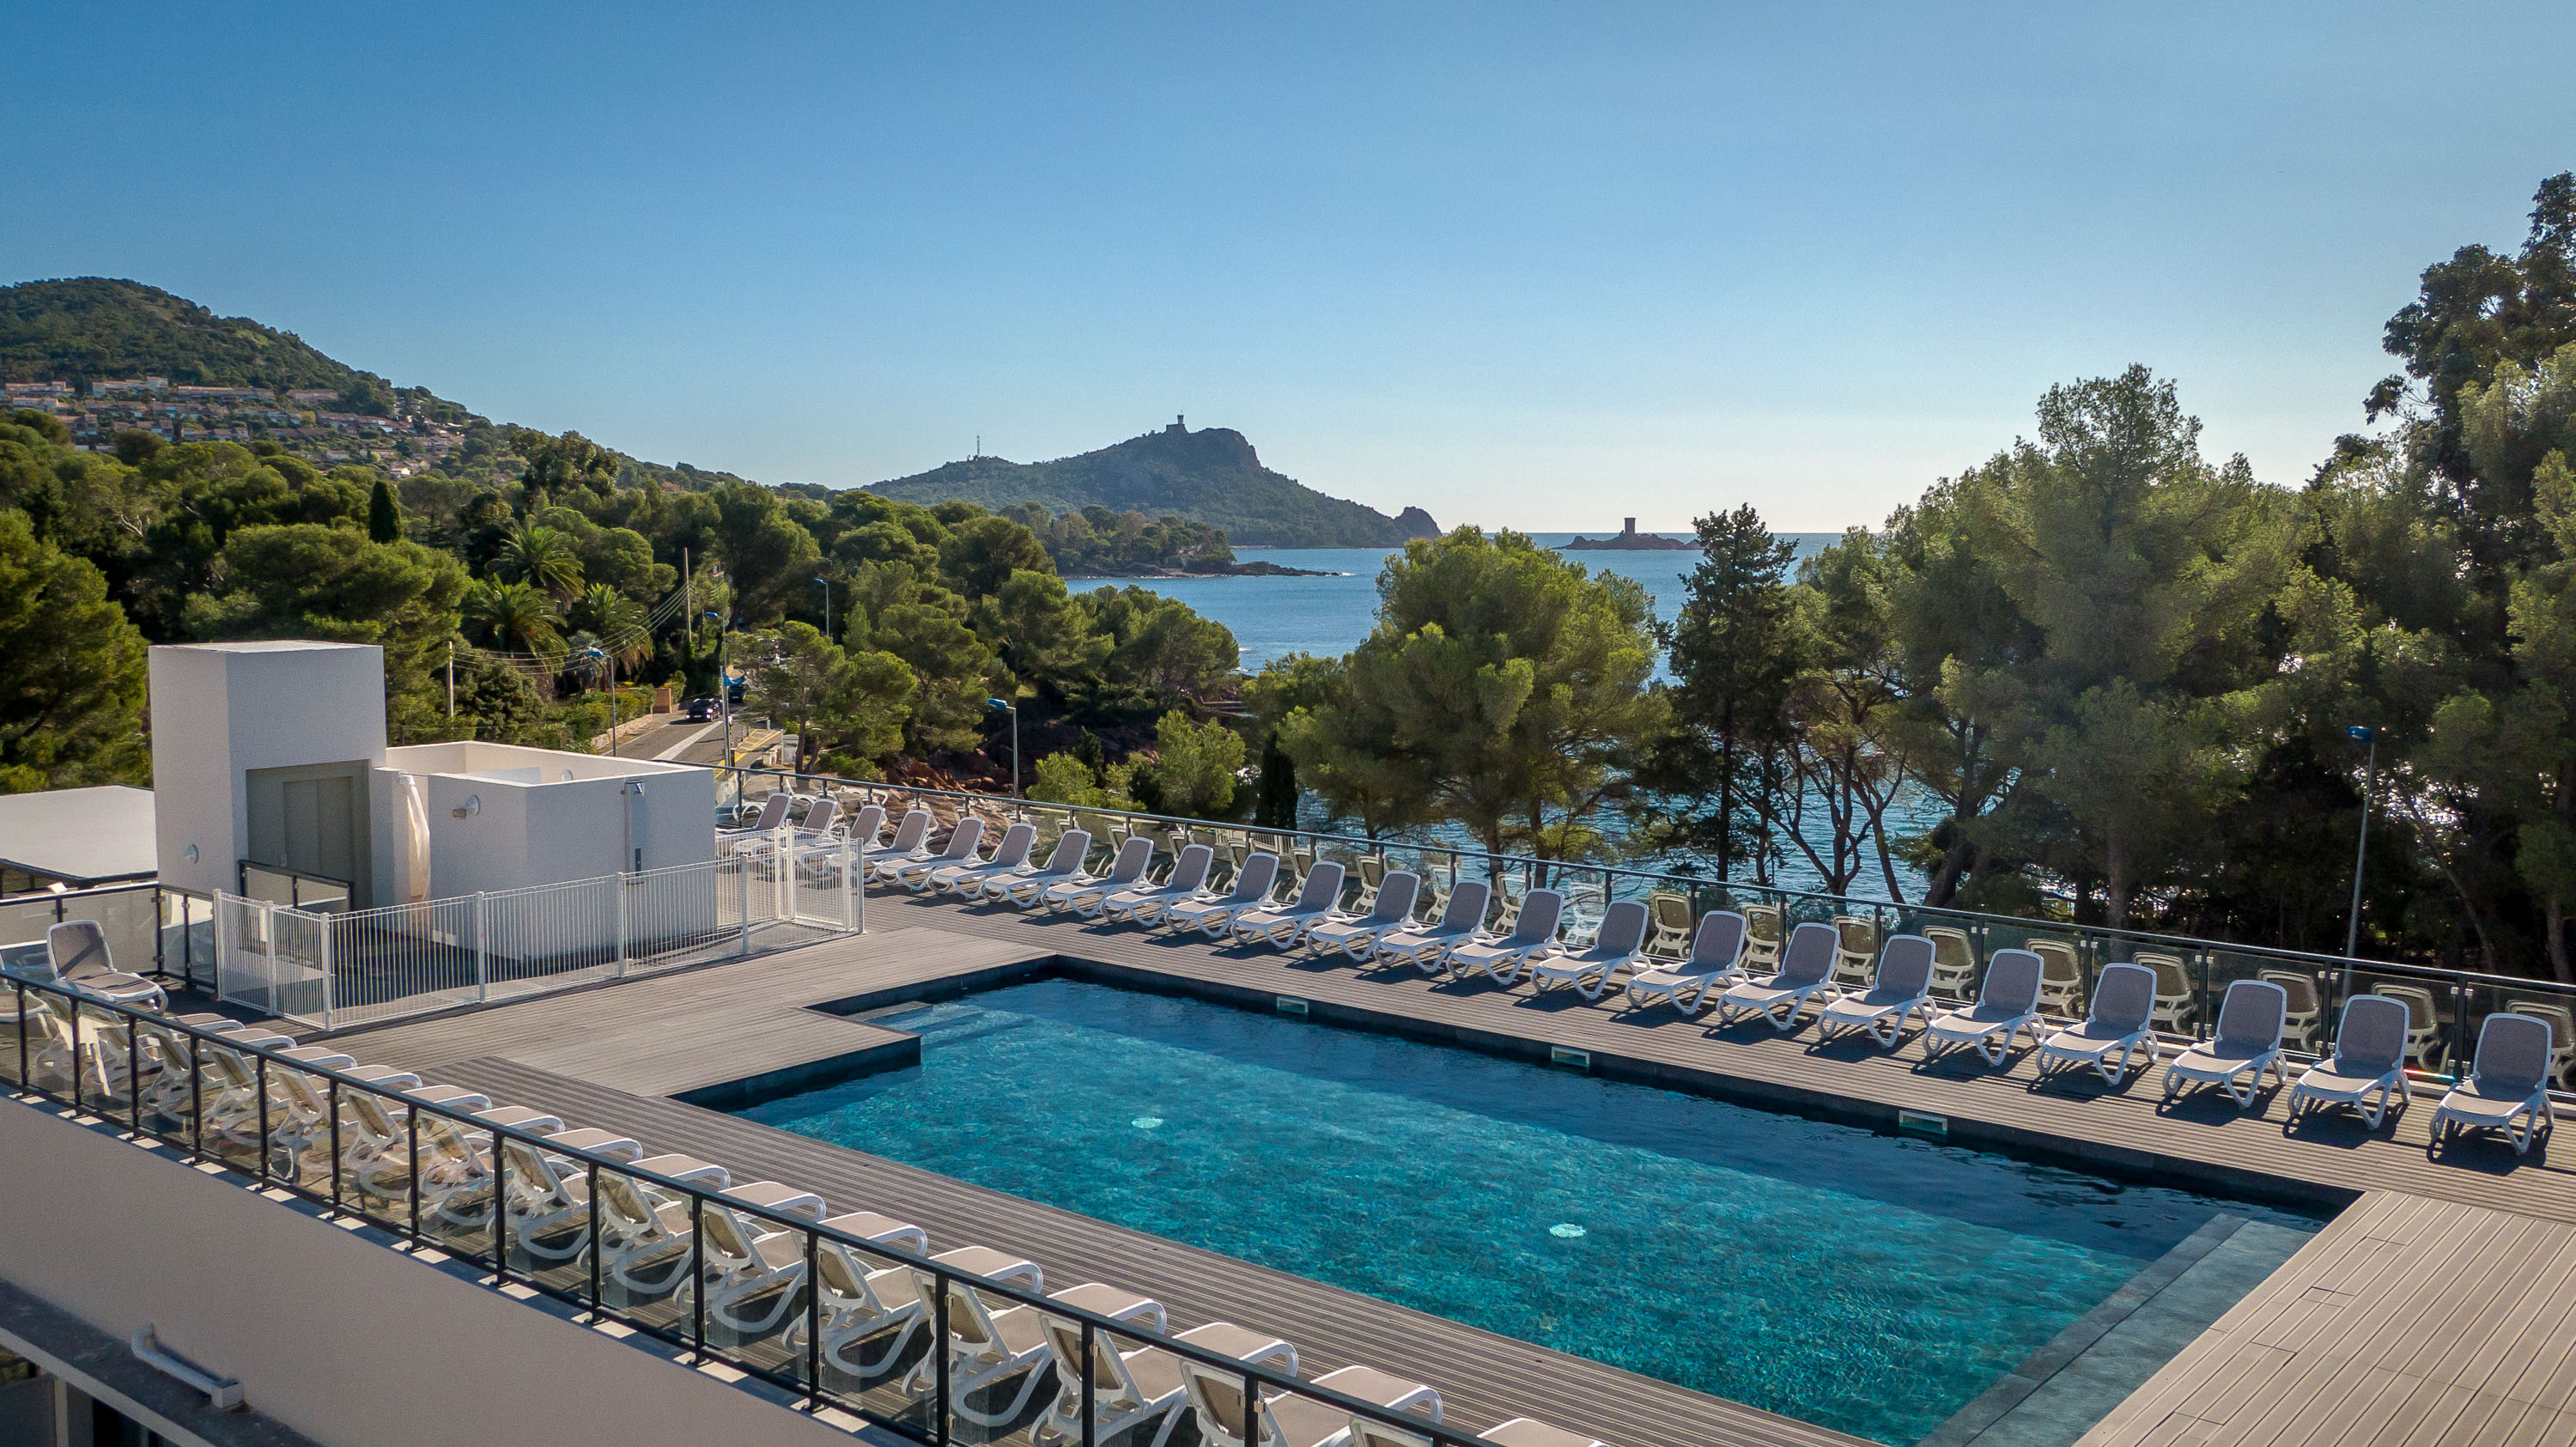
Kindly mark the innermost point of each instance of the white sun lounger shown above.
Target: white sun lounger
(876, 1328)
(1083, 896)
(2368, 1068)
(754, 1265)
(1145, 906)
(1357, 935)
(1011, 856)
(1618, 945)
(1806, 971)
(76, 951)
(865, 826)
(994, 1357)
(2508, 1085)
(963, 841)
(1292, 1420)
(1426, 946)
(773, 813)
(910, 842)
(1281, 925)
(2120, 1026)
(2248, 1042)
(1716, 961)
(1063, 866)
(1215, 917)
(1901, 989)
(1216, 1395)
(1136, 1389)
(2007, 1004)
(1532, 936)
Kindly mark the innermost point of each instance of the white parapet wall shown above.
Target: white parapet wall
(505, 817)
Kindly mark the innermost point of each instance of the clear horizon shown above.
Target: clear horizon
(1518, 266)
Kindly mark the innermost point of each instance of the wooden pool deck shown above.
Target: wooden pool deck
(614, 1056)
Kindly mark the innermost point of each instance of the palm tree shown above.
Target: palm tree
(541, 556)
(515, 615)
(621, 623)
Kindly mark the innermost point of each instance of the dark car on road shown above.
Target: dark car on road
(701, 709)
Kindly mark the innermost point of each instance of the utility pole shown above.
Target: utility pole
(724, 690)
(2361, 849)
(827, 605)
(451, 678)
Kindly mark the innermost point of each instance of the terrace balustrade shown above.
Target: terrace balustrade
(663, 1254)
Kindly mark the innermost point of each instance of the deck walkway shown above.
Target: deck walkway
(606, 1057)
(2407, 1321)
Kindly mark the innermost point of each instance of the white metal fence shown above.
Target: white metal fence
(375, 964)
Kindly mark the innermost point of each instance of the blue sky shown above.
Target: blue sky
(1529, 266)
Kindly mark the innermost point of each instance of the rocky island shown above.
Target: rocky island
(1629, 540)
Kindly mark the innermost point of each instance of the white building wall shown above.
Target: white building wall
(220, 710)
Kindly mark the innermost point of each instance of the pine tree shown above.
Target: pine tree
(384, 515)
(1275, 807)
(71, 671)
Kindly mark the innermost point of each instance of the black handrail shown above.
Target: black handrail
(698, 1198)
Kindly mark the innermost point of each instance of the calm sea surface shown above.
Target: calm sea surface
(1274, 617)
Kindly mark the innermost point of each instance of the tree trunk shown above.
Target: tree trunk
(2557, 915)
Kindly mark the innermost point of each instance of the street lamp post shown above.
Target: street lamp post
(2361, 848)
(1003, 705)
(724, 693)
(827, 605)
(608, 670)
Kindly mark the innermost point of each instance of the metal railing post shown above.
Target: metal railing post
(336, 1185)
(133, 1076)
(262, 1087)
(698, 1273)
(598, 1248)
(622, 880)
(322, 928)
(501, 1211)
(813, 1322)
(482, 952)
(939, 1344)
(1090, 1423)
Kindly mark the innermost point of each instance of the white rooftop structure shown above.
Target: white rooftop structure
(273, 755)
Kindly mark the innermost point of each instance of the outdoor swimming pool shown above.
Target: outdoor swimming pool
(1866, 1283)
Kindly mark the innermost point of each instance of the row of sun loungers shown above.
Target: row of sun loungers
(2506, 1092)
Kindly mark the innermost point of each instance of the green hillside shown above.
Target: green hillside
(90, 327)
(1208, 476)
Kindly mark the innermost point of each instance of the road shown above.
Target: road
(679, 741)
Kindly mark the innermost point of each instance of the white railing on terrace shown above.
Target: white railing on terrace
(361, 966)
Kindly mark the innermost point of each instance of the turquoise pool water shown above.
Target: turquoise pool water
(1866, 1283)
